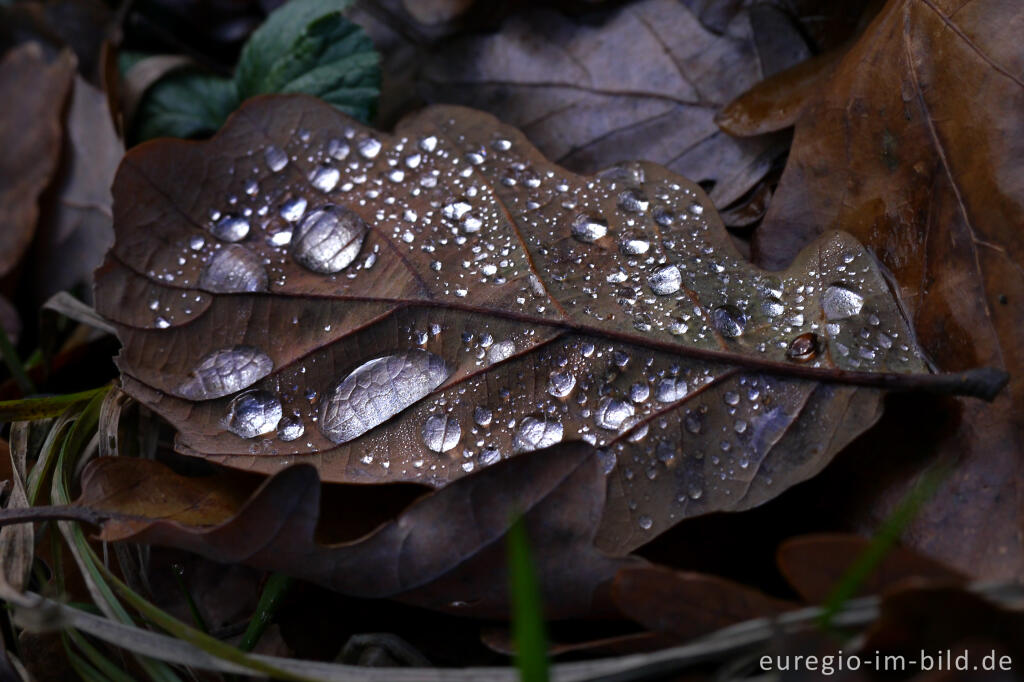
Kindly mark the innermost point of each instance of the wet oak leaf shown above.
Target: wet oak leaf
(913, 145)
(418, 306)
(446, 551)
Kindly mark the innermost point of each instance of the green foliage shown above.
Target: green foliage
(306, 46)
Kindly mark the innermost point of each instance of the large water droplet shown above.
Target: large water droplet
(224, 372)
(611, 412)
(589, 228)
(441, 433)
(369, 148)
(665, 280)
(729, 321)
(378, 390)
(230, 228)
(670, 390)
(329, 239)
(534, 434)
(254, 414)
(500, 351)
(839, 302)
(561, 384)
(234, 269)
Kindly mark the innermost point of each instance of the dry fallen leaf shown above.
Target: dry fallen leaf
(686, 605)
(30, 134)
(913, 146)
(417, 307)
(445, 552)
(642, 81)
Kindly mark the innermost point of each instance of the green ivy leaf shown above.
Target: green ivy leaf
(185, 103)
(305, 46)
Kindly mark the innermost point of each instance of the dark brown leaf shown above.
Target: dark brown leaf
(449, 298)
(444, 552)
(642, 81)
(30, 135)
(687, 605)
(915, 147)
(815, 564)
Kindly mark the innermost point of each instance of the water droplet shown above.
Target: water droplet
(607, 459)
(338, 149)
(441, 433)
(534, 434)
(639, 392)
(489, 456)
(645, 522)
(329, 239)
(482, 416)
(230, 228)
(729, 321)
(670, 390)
(276, 158)
(731, 398)
(695, 492)
(369, 148)
(224, 372)
(665, 280)
(803, 348)
(589, 228)
(233, 269)
(561, 384)
(502, 145)
(454, 210)
(378, 390)
(772, 307)
(694, 423)
(634, 247)
(500, 351)
(293, 209)
(428, 144)
(325, 178)
(633, 201)
(196, 243)
(253, 414)
(664, 217)
(839, 302)
(290, 428)
(611, 413)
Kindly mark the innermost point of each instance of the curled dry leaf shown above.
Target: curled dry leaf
(418, 306)
(446, 551)
(914, 146)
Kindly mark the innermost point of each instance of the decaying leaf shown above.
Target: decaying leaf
(419, 306)
(446, 551)
(815, 565)
(914, 147)
(30, 134)
(687, 605)
(641, 81)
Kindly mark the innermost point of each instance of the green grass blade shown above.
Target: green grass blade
(31, 409)
(883, 541)
(527, 611)
(270, 599)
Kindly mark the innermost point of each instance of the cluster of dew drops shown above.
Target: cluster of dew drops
(658, 263)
